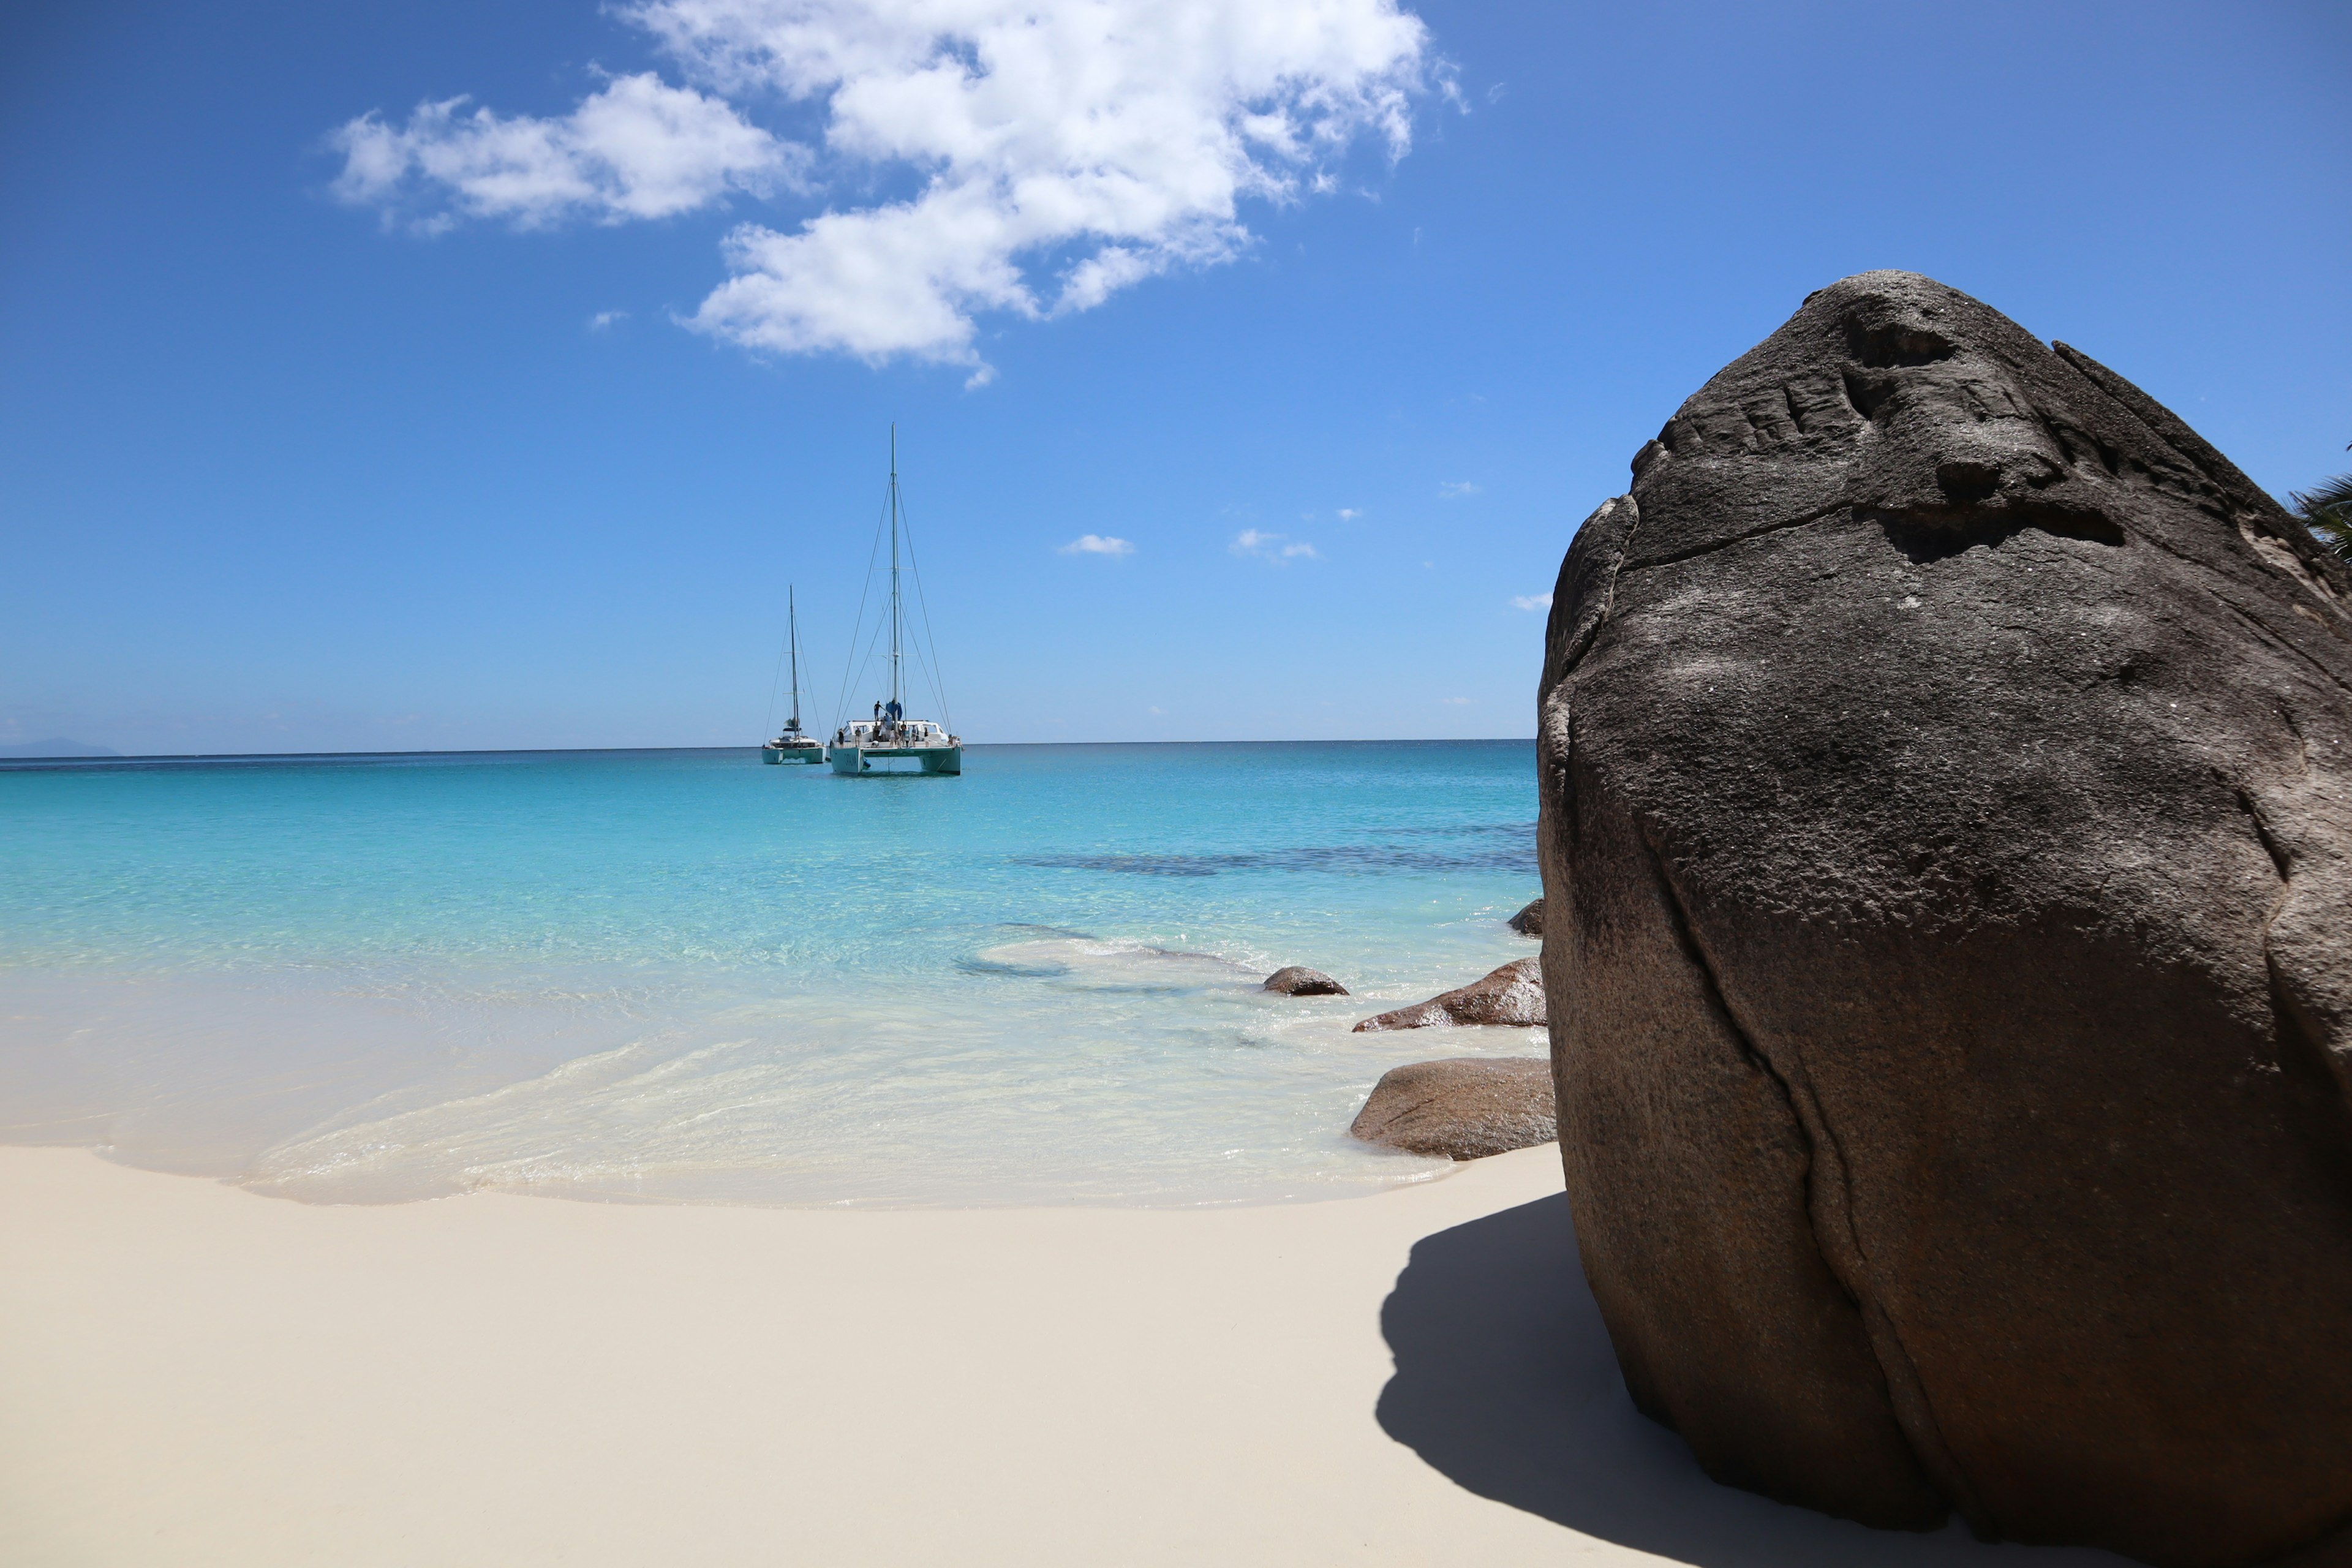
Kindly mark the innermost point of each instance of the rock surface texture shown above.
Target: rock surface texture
(1528, 921)
(1298, 980)
(1511, 995)
(1464, 1109)
(1947, 825)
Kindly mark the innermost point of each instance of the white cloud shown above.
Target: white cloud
(1532, 601)
(1059, 151)
(1454, 489)
(1161, 711)
(604, 318)
(1097, 544)
(638, 149)
(1459, 701)
(1348, 514)
(1069, 148)
(1276, 547)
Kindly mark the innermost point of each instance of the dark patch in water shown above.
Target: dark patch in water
(1022, 971)
(1503, 847)
(1510, 830)
(1101, 990)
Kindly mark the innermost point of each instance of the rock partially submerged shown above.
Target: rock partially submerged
(1298, 980)
(1952, 853)
(1513, 995)
(1463, 1109)
(1528, 921)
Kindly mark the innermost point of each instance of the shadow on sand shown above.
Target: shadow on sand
(1506, 1384)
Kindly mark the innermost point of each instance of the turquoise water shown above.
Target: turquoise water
(685, 976)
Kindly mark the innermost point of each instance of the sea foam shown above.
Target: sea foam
(682, 976)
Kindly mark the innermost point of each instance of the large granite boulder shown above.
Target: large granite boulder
(1465, 1108)
(1513, 995)
(1945, 832)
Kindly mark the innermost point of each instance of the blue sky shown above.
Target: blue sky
(311, 439)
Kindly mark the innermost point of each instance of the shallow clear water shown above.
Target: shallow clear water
(684, 976)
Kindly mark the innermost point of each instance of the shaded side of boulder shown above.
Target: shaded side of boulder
(1528, 921)
(1946, 767)
(1465, 1107)
(1298, 980)
(1513, 995)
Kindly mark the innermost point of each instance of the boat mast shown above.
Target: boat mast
(895, 701)
(792, 636)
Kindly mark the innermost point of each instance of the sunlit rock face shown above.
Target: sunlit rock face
(1512, 995)
(1461, 1108)
(1949, 951)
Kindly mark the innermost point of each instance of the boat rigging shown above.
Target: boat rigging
(889, 739)
(791, 745)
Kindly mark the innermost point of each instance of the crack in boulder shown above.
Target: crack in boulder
(1945, 953)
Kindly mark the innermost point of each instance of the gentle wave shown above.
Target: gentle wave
(686, 977)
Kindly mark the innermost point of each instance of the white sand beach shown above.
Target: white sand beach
(192, 1374)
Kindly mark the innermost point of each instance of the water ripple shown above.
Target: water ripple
(1512, 848)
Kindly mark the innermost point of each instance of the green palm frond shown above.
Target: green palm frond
(2326, 510)
(2333, 495)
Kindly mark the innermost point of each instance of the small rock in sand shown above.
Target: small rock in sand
(1513, 995)
(1464, 1109)
(1300, 980)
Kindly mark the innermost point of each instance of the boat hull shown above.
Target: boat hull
(854, 760)
(792, 753)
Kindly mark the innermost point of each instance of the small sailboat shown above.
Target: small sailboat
(889, 738)
(791, 745)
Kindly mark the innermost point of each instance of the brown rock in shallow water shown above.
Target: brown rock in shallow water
(1947, 825)
(1300, 980)
(1528, 921)
(1511, 995)
(1464, 1109)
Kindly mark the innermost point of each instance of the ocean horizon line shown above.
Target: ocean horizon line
(165, 758)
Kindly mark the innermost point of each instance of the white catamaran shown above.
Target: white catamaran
(791, 745)
(889, 739)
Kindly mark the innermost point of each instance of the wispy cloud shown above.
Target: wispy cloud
(638, 149)
(1348, 514)
(1531, 601)
(602, 319)
(1454, 489)
(1274, 547)
(1097, 544)
(1459, 701)
(1059, 151)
